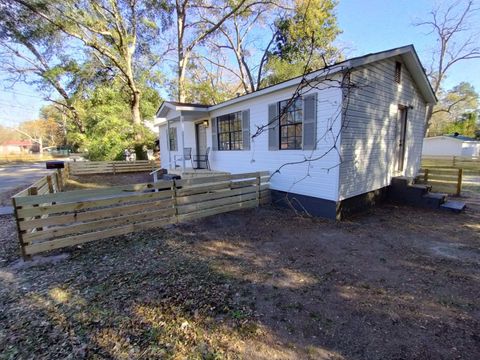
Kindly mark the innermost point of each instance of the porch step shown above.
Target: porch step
(418, 190)
(401, 181)
(408, 194)
(403, 190)
(433, 200)
(452, 205)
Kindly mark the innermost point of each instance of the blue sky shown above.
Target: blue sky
(368, 26)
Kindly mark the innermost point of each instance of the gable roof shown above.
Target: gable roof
(166, 106)
(408, 54)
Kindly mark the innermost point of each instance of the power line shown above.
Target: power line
(16, 106)
(22, 94)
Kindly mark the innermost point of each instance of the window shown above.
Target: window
(291, 123)
(172, 139)
(230, 132)
(398, 72)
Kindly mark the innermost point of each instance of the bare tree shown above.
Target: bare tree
(279, 31)
(457, 40)
(202, 19)
(235, 34)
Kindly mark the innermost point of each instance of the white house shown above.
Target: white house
(450, 145)
(333, 139)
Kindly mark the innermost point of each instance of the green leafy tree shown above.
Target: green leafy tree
(35, 52)
(105, 111)
(466, 125)
(119, 33)
(303, 41)
(453, 108)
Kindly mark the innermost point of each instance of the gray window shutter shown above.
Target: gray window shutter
(246, 129)
(310, 122)
(213, 121)
(273, 127)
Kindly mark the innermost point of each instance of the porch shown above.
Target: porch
(185, 133)
(189, 173)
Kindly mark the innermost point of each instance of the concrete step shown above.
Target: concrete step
(417, 190)
(410, 194)
(453, 205)
(401, 181)
(433, 200)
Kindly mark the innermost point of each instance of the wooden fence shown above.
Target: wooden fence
(468, 164)
(50, 221)
(110, 167)
(46, 185)
(442, 180)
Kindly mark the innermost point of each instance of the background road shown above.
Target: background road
(13, 176)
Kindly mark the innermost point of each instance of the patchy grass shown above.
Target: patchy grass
(255, 284)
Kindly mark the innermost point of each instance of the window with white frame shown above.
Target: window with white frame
(230, 131)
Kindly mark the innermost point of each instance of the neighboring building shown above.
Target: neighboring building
(16, 147)
(358, 137)
(451, 145)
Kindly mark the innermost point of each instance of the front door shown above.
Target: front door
(401, 137)
(201, 135)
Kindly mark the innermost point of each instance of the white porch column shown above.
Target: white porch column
(182, 126)
(168, 146)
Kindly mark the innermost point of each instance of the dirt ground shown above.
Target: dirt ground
(78, 182)
(395, 283)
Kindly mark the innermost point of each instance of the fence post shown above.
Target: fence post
(425, 176)
(174, 196)
(66, 172)
(32, 191)
(50, 184)
(459, 182)
(25, 256)
(113, 164)
(453, 161)
(258, 188)
(59, 180)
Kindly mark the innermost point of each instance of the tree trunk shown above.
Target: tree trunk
(136, 118)
(40, 145)
(135, 110)
(181, 57)
(76, 118)
(182, 67)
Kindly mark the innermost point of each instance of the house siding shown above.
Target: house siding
(368, 141)
(317, 179)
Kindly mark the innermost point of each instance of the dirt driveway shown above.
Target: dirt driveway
(398, 283)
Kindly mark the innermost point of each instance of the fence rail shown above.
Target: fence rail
(53, 220)
(442, 180)
(468, 164)
(110, 167)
